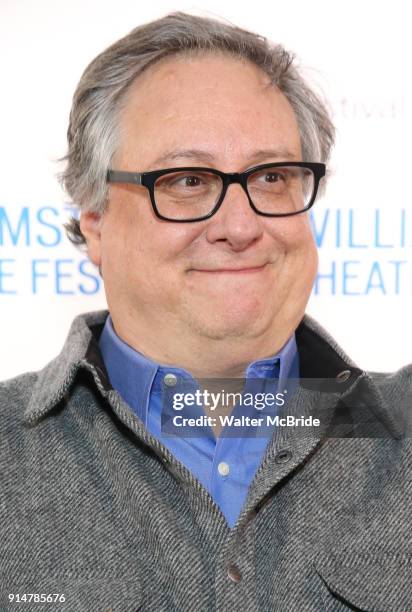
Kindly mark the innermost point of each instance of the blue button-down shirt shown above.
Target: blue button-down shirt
(225, 465)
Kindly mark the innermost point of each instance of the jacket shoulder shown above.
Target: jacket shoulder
(389, 380)
(395, 388)
(15, 394)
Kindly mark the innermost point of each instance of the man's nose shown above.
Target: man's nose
(235, 221)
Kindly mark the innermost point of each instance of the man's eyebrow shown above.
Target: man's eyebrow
(179, 153)
(281, 153)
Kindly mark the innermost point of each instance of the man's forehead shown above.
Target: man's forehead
(204, 81)
(240, 123)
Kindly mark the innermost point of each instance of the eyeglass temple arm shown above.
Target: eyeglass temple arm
(117, 176)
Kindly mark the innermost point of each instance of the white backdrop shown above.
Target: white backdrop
(358, 53)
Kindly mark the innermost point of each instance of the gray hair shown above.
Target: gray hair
(93, 135)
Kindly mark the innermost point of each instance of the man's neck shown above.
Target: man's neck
(201, 356)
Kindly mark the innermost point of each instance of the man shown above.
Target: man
(195, 152)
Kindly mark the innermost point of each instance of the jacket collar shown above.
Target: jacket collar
(55, 379)
(321, 359)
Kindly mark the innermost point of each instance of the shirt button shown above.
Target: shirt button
(233, 573)
(170, 380)
(223, 468)
(343, 376)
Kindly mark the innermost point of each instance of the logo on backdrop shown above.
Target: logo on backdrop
(363, 251)
(36, 257)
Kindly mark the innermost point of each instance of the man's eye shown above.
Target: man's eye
(191, 181)
(273, 177)
(183, 180)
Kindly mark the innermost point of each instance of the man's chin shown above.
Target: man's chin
(241, 325)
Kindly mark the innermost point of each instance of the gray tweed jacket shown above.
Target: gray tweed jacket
(95, 509)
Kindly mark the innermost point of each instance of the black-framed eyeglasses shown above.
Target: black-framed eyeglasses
(188, 194)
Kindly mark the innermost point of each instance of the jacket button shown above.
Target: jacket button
(343, 376)
(283, 456)
(233, 573)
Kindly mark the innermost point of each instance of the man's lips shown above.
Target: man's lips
(245, 270)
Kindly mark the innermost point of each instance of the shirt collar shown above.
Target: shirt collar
(136, 376)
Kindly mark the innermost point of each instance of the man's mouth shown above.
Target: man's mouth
(234, 270)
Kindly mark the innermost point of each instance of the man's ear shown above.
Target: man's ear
(90, 226)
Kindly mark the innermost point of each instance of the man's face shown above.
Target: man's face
(218, 112)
